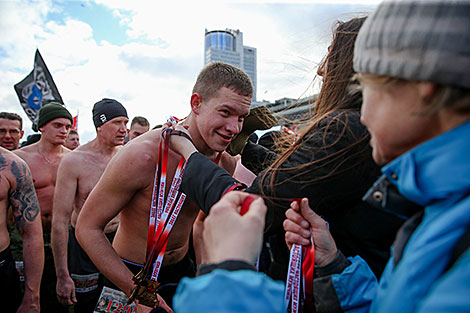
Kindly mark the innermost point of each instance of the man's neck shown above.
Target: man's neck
(102, 146)
(47, 147)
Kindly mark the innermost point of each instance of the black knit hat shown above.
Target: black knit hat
(107, 109)
(51, 111)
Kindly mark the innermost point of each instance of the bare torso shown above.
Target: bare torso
(131, 238)
(44, 172)
(90, 165)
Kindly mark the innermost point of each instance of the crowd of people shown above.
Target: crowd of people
(376, 183)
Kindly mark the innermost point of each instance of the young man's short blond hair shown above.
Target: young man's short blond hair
(216, 75)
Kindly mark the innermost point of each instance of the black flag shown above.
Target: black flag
(37, 89)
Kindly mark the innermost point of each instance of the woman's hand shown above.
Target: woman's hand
(231, 236)
(302, 224)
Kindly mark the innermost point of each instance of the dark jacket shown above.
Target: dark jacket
(333, 178)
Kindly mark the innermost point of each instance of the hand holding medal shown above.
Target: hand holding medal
(311, 243)
(229, 235)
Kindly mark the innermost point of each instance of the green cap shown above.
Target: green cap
(51, 111)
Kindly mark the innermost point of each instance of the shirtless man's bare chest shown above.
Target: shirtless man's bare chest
(44, 173)
(131, 238)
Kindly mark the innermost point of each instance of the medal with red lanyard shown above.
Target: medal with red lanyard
(163, 215)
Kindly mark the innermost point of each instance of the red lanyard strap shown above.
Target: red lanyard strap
(308, 265)
(163, 213)
(300, 277)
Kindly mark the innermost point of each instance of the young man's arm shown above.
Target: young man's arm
(122, 178)
(25, 207)
(64, 196)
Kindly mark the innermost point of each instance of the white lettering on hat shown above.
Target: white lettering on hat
(103, 118)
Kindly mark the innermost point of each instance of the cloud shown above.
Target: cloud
(152, 67)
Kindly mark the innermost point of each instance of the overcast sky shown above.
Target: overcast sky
(147, 54)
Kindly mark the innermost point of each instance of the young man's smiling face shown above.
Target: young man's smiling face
(220, 118)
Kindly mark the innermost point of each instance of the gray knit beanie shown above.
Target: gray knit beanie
(423, 40)
(107, 109)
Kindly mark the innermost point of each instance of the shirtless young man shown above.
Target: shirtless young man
(220, 101)
(43, 159)
(17, 191)
(79, 171)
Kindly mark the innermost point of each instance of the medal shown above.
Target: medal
(145, 291)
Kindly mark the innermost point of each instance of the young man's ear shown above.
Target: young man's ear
(196, 101)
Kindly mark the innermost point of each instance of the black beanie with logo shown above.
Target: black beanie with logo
(107, 109)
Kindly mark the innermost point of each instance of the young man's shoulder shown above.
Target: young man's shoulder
(80, 152)
(138, 155)
(27, 153)
(73, 159)
(147, 143)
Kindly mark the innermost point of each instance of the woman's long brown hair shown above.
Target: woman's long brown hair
(334, 96)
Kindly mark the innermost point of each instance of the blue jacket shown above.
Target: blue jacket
(436, 175)
(223, 291)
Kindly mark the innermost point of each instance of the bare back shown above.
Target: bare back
(44, 172)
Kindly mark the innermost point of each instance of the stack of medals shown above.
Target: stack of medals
(163, 215)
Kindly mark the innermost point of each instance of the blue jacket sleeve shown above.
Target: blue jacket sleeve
(356, 286)
(229, 291)
(351, 289)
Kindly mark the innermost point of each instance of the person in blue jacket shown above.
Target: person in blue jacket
(413, 59)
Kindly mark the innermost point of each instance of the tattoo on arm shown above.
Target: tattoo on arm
(3, 164)
(23, 199)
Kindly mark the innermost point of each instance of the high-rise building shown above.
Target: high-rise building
(227, 46)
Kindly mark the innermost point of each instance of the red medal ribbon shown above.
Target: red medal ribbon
(163, 214)
(308, 265)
